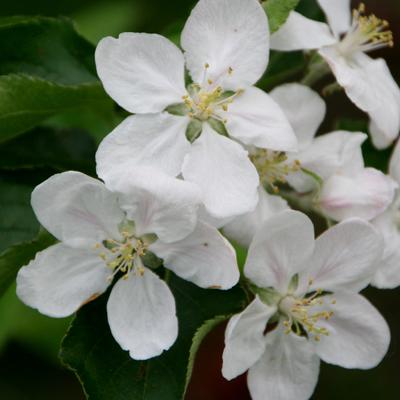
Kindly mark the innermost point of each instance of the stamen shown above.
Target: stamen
(272, 167)
(367, 33)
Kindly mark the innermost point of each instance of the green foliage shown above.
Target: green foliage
(19, 255)
(278, 12)
(107, 372)
(46, 68)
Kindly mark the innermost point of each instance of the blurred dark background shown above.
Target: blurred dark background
(29, 367)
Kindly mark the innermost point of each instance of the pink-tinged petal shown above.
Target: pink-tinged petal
(364, 195)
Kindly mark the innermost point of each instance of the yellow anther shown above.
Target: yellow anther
(206, 65)
(230, 70)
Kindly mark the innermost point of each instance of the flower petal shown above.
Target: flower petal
(158, 203)
(61, 279)
(301, 33)
(303, 107)
(387, 275)
(345, 258)
(223, 171)
(279, 250)
(288, 369)
(150, 140)
(244, 338)
(338, 13)
(254, 118)
(329, 154)
(370, 86)
(142, 317)
(394, 167)
(77, 209)
(358, 335)
(243, 228)
(204, 257)
(143, 73)
(228, 35)
(364, 195)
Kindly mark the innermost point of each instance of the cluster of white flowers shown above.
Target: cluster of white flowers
(209, 152)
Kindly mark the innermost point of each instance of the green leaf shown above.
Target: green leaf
(107, 372)
(46, 68)
(278, 12)
(60, 149)
(19, 255)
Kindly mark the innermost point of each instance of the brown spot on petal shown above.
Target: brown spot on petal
(215, 287)
(91, 298)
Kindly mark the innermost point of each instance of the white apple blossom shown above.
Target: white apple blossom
(105, 235)
(343, 45)
(307, 307)
(243, 228)
(349, 189)
(388, 223)
(226, 50)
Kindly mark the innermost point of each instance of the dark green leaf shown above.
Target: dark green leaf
(46, 68)
(19, 255)
(278, 12)
(60, 149)
(107, 372)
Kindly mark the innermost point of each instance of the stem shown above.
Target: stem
(316, 72)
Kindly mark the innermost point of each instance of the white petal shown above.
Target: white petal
(333, 153)
(223, 171)
(227, 34)
(394, 167)
(301, 33)
(61, 279)
(288, 369)
(204, 257)
(77, 209)
(345, 258)
(387, 275)
(143, 73)
(358, 335)
(142, 317)
(254, 118)
(279, 250)
(244, 338)
(364, 195)
(158, 203)
(338, 13)
(369, 84)
(243, 228)
(150, 140)
(303, 107)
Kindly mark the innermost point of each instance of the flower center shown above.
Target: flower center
(303, 316)
(273, 167)
(367, 33)
(207, 100)
(124, 255)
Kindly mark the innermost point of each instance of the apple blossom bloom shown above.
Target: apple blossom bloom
(347, 188)
(307, 307)
(105, 235)
(196, 130)
(388, 223)
(343, 45)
